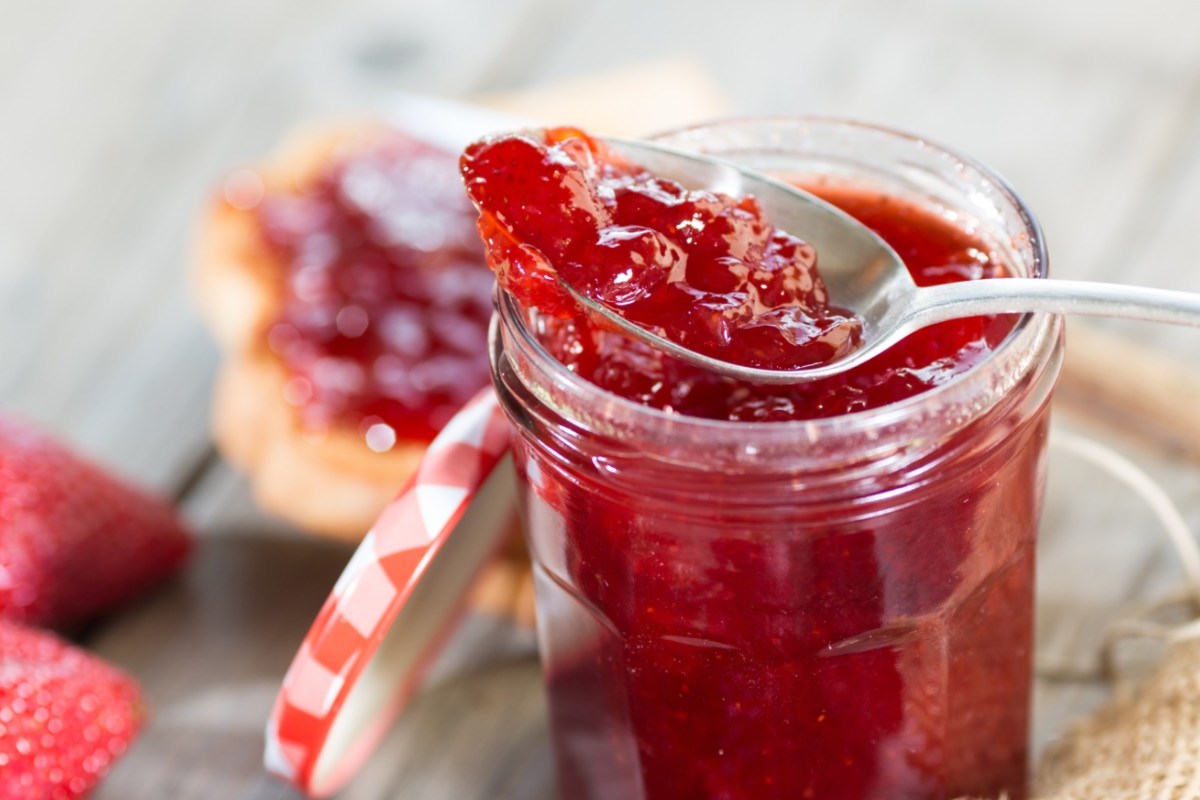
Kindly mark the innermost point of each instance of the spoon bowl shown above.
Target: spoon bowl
(865, 276)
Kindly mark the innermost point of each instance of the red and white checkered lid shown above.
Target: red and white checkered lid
(395, 604)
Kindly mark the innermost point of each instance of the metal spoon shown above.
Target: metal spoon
(864, 275)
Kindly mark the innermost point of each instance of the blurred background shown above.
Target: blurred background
(120, 118)
(118, 121)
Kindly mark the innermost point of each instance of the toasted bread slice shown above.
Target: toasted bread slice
(329, 483)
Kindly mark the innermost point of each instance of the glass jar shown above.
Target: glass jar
(836, 608)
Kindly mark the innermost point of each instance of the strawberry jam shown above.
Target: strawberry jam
(748, 597)
(707, 270)
(383, 319)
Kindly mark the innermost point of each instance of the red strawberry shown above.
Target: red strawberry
(65, 716)
(75, 542)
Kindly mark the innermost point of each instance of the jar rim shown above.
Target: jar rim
(961, 399)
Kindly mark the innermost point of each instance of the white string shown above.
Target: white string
(1133, 476)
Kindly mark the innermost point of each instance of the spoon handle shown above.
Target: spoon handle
(1015, 295)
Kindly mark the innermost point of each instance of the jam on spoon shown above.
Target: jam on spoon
(709, 272)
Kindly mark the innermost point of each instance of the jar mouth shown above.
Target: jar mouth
(936, 411)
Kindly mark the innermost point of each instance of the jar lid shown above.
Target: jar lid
(395, 605)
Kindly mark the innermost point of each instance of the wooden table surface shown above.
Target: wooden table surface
(119, 117)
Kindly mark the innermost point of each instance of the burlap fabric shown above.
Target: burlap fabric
(1144, 745)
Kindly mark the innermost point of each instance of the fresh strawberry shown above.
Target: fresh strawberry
(65, 716)
(74, 541)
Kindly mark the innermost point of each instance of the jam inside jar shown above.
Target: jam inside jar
(833, 607)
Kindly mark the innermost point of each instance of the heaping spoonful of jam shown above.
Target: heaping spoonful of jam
(734, 255)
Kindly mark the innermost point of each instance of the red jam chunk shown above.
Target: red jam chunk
(383, 321)
(706, 269)
(711, 273)
(750, 642)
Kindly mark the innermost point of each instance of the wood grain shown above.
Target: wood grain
(119, 118)
(1135, 390)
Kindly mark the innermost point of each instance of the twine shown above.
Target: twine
(1137, 479)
